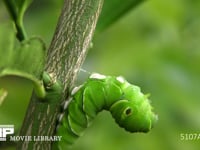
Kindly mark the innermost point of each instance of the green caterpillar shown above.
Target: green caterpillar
(129, 107)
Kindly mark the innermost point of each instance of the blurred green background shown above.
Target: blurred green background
(155, 46)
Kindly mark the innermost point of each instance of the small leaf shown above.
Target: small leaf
(25, 59)
(17, 9)
(113, 10)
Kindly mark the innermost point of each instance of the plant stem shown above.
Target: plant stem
(17, 18)
(66, 54)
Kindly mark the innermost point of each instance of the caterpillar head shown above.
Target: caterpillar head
(133, 112)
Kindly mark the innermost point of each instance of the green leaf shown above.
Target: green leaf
(113, 10)
(27, 59)
(17, 9)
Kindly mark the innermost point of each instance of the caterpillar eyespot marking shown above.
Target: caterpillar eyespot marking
(128, 111)
(129, 107)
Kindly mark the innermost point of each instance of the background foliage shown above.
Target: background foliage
(155, 46)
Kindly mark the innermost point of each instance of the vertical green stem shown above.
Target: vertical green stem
(17, 18)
